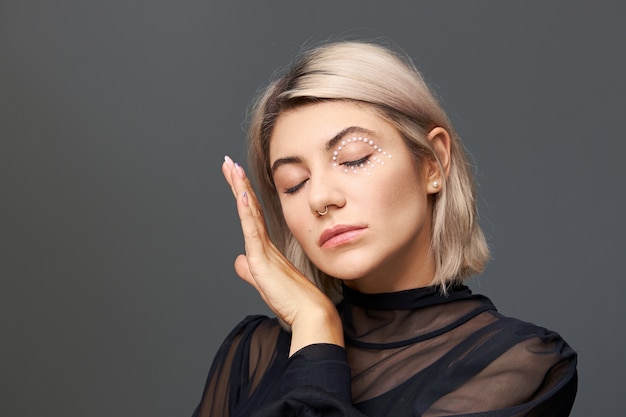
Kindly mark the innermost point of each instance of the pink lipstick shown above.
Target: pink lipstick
(340, 234)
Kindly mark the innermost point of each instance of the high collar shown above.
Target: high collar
(392, 320)
(406, 299)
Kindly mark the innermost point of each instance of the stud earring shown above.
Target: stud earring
(435, 184)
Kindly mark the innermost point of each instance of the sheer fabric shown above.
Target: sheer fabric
(410, 353)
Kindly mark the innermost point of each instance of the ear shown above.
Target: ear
(439, 167)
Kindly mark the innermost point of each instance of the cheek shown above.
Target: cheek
(398, 187)
(296, 221)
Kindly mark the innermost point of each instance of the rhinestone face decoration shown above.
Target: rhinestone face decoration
(377, 157)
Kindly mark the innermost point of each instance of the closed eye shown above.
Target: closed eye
(356, 162)
(295, 188)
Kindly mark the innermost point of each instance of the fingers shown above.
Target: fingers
(232, 173)
(250, 215)
(248, 207)
(227, 168)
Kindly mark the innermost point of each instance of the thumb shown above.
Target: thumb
(243, 270)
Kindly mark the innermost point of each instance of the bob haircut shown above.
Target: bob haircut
(388, 83)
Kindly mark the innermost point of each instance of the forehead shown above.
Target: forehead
(312, 126)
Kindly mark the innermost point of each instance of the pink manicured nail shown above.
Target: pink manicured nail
(244, 197)
(228, 161)
(240, 170)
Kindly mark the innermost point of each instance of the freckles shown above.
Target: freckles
(378, 157)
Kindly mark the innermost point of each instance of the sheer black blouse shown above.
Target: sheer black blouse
(410, 353)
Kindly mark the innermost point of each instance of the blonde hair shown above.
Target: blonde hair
(389, 83)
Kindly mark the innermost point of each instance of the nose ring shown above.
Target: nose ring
(321, 213)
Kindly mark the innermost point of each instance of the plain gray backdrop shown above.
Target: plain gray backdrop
(118, 232)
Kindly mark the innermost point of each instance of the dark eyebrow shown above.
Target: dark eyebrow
(351, 130)
(283, 161)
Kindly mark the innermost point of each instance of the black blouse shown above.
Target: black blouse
(409, 353)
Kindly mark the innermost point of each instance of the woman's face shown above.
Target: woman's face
(342, 157)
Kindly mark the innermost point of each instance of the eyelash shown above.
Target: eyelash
(357, 162)
(297, 187)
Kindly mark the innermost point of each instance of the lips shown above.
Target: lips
(339, 234)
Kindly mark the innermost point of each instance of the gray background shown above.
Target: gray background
(118, 233)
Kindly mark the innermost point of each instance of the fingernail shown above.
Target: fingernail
(228, 161)
(240, 170)
(244, 197)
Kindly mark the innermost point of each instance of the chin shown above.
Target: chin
(347, 271)
(349, 265)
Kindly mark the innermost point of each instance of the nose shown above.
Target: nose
(325, 195)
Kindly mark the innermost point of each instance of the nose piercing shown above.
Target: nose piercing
(321, 213)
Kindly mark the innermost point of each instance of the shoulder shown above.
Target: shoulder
(503, 330)
(252, 323)
(501, 362)
(246, 356)
(528, 338)
(523, 344)
(258, 341)
(524, 364)
(251, 335)
(523, 348)
(254, 332)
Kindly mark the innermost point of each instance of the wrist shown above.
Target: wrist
(316, 325)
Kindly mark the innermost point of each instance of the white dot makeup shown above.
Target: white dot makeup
(359, 155)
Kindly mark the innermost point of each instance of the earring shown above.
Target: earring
(435, 184)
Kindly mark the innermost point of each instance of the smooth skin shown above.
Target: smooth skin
(388, 212)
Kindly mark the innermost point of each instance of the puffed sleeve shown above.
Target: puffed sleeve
(316, 382)
(253, 375)
(513, 369)
(227, 380)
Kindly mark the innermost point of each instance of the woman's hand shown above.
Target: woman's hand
(296, 300)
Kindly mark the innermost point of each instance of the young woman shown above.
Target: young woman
(372, 229)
